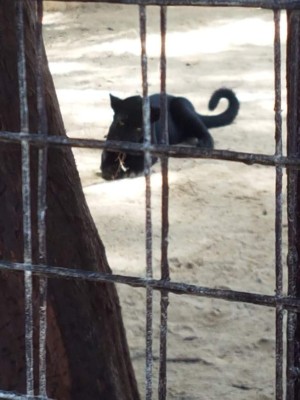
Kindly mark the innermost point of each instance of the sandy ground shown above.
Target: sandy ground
(221, 213)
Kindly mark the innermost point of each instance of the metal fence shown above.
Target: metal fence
(280, 301)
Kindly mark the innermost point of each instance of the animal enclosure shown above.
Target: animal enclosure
(218, 319)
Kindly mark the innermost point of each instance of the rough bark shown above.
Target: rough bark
(87, 352)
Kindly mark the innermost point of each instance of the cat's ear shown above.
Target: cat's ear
(154, 114)
(115, 102)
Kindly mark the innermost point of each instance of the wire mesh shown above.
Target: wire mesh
(279, 301)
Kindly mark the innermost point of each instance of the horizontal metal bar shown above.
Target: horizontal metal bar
(157, 150)
(290, 303)
(268, 4)
(17, 396)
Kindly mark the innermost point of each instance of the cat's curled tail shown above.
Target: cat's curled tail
(226, 117)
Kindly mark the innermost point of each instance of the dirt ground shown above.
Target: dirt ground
(221, 213)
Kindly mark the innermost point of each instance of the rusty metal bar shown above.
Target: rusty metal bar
(165, 273)
(16, 396)
(42, 203)
(268, 4)
(293, 196)
(157, 150)
(288, 302)
(26, 196)
(278, 208)
(148, 221)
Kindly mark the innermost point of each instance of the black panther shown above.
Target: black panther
(184, 123)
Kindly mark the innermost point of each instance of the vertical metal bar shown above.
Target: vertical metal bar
(42, 183)
(165, 274)
(148, 222)
(278, 207)
(24, 128)
(293, 88)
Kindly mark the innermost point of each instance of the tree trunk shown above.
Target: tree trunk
(87, 352)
